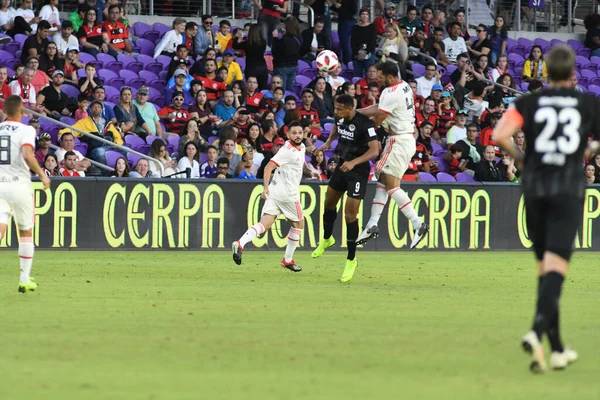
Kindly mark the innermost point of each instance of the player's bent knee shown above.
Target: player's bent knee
(298, 224)
(557, 259)
(26, 230)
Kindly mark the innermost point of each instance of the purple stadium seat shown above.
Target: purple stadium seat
(12, 47)
(106, 75)
(451, 68)
(174, 141)
(82, 148)
(139, 28)
(524, 86)
(462, 177)
(584, 52)
(67, 120)
(162, 75)
(130, 63)
(418, 69)
(164, 60)
(241, 62)
(328, 127)
(111, 91)
(152, 36)
(288, 93)
(5, 55)
(427, 177)
(105, 58)
(442, 164)
(212, 139)
(162, 28)
(515, 58)
(594, 89)
(132, 158)
(356, 79)
(70, 91)
(112, 157)
(437, 150)
(587, 73)
(128, 75)
(157, 100)
(525, 42)
(86, 58)
(151, 138)
(109, 104)
(146, 46)
(311, 73)
(302, 80)
(575, 44)
(444, 177)
(148, 76)
(555, 42)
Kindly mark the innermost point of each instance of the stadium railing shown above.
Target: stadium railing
(94, 137)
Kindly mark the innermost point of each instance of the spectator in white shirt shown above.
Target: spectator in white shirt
(65, 39)
(189, 161)
(67, 143)
(454, 43)
(23, 87)
(7, 16)
(173, 38)
(334, 78)
(425, 83)
(27, 15)
(51, 14)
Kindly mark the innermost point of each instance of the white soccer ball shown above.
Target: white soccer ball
(327, 61)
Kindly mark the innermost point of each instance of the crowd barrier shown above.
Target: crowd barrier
(109, 213)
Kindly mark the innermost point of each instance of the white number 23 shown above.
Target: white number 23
(568, 140)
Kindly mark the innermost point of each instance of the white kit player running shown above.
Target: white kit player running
(17, 145)
(396, 109)
(282, 196)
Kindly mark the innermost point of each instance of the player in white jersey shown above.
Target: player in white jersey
(396, 109)
(17, 145)
(282, 196)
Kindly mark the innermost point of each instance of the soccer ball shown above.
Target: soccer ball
(327, 61)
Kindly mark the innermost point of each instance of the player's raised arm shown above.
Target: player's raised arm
(511, 122)
(327, 145)
(370, 111)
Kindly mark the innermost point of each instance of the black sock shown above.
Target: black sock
(540, 282)
(351, 235)
(554, 333)
(547, 304)
(329, 217)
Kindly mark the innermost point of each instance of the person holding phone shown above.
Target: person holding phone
(270, 15)
(314, 40)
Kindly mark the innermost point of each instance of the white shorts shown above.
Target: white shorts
(17, 199)
(396, 155)
(292, 210)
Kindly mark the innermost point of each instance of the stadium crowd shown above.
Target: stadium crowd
(215, 98)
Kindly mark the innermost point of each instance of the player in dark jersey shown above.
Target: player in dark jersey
(357, 145)
(556, 123)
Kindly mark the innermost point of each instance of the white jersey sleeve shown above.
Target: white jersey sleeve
(13, 137)
(398, 102)
(286, 179)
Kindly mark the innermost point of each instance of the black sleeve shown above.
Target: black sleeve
(372, 38)
(354, 40)
(369, 130)
(81, 33)
(306, 40)
(324, 41)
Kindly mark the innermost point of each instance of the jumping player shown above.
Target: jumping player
(556, 123)
(281, 196)
(397, 110)
(17, 145)
(357, 146)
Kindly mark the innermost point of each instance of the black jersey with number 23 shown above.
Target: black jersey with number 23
(557, 123)
(353, 137)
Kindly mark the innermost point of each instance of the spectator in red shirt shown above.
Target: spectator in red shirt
(418, 99)
(212, 85)
(242, 122)
(4, 89)
(372, 96)
(486, 136)
(418, 163)
(307, 111)
(387, 18)
(68, 168)
(454, 158)
(363, 84)
(427, 113)
(174, 115)
(115, 33)
(273, 104)
(253, 95)
(446, 115)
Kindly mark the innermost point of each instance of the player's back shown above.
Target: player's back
(13, 136)
(286, 179)
(398, 102)
(557, 123)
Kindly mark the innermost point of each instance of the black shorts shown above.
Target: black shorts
(352, 182)
(552, 223)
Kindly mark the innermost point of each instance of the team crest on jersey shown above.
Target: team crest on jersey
(352, 127)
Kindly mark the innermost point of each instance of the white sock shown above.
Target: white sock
(26, 257)
(293, 238)
(252, 233)
(403, 201)
(379, 202)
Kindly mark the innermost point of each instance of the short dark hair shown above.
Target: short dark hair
(452, 24)
(223, 160)
(473, 125)
(83, 7)
(345, 100)
(438, 29)
(66, 134)
(479, 88)
(411, 8)
(82, 97)
(91, 64)
(388, 68)
(190, 25)
(462, 55)
(294, 124)
(225, 22)
(210, 146)
(373, 84)
(70, 153)
(268, 124)
(455, 148)
(44, 25)
(12, 105)
(420, 28)
(205, 17)
(280, 89)
(113, 7)
(290, 97)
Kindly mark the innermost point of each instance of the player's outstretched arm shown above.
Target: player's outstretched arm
(327, 145)
(29, 158)
(370, 111)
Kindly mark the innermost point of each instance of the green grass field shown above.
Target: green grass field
(192, 325)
